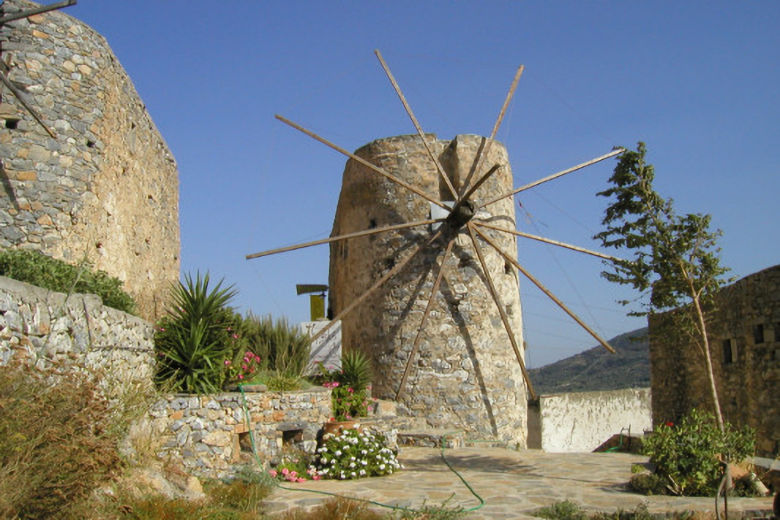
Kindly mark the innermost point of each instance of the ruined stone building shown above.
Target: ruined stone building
(105, 189)
(745, 344)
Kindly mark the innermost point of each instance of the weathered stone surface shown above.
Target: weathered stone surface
(107, 187)
(465, 357)
(745, 344)
(78, 330)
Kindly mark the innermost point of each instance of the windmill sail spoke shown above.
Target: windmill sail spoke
(344, 237)
(379, 283)
(501, 310)
(497, 124)
(365, 163)
(416, 344)
(548, 241)
(554, 176)
(416, 124)
(476, 186)
(544, 289)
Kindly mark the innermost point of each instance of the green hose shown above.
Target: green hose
(356, 499)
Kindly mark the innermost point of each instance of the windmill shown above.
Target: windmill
(439, 225)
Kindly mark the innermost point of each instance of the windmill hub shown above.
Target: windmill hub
(461, 214)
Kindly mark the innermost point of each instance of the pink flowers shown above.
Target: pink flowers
(330, 384)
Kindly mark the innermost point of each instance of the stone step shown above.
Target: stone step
(431, 438)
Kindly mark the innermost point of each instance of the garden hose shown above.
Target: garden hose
(356, 499)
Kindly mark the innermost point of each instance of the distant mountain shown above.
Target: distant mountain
(597, 369)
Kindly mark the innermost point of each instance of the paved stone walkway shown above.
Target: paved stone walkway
(513, 484)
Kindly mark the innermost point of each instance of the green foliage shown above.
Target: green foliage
(197, 337)
(673, 255)
(437, 512)
(688, 455)
(283, 347)
(56, 442)
(349, 386)
(354, 454)
(565, 510)
(243, 493)
(283, 383)
(356, 370)
(35, 268)
(294, 466)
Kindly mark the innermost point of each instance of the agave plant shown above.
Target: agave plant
(356, 370)
(283, 347)
(193, 340)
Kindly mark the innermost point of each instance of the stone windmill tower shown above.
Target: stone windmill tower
(424, 275)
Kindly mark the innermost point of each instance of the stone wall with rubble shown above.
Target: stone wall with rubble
(745, 345)
(582, 421)
(209, 435)
(105, 188)
(466, 375)
(36, 323)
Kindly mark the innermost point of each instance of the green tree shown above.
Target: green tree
(675, 257)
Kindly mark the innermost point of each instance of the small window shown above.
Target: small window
(291, 437)
(727, 354)
(758, 334)
(777, 331)
(12, 123)
(245, 442)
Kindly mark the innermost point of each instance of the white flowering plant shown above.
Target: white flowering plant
(353, 453)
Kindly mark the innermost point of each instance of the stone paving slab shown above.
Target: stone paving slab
(513, 484)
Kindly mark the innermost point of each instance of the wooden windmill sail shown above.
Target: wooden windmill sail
(464, 224)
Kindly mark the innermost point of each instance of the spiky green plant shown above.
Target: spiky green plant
(356, 371)
(283, 348)
(196, 337)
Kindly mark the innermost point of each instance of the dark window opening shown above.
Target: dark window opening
(758, 334)
(291, 437)
(507, 268)
(372, 223)
(727, 354)
(11, 123)
(90, 143)
(389, 263)
(245, 442)
(777, 331)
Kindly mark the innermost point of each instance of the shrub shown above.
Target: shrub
(349, 386)
(335, 509)
(354, 454)
(284, 348)
(56, 442)
(196, 338)
(688, 455)
(35, 268)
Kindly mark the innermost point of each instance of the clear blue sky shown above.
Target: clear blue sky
(697, 81)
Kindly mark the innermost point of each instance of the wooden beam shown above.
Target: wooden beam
(416, 125)
(501, 310)
(344, 237)
(25, 104)
(548, 241)
(497, 124)
(418, 337)
(544, 289)
(362, 161)
(392, 272)
(561, 173)
(37, 10)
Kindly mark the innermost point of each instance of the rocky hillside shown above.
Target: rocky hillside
(597, 369)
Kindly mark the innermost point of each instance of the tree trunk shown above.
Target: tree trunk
(708, 359)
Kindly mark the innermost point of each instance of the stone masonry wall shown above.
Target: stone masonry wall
(465, 375)
(209, 436)
(582, 421)
(106, 188)
(745, 344)
(51, 326)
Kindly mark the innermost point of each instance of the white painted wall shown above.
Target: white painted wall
(581, 422)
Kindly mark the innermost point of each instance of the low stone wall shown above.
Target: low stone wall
(77, 329)
(582, 421)
(209, 435)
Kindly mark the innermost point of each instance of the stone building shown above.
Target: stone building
(105, 189)
(465, 375)
(745, 344)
